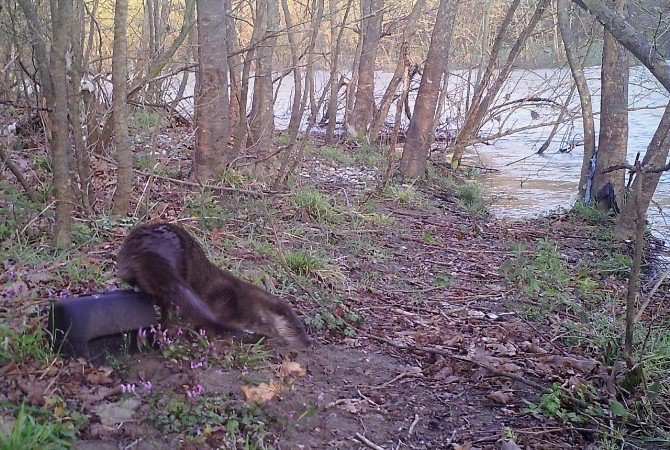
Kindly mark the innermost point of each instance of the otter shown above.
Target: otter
(165, 261)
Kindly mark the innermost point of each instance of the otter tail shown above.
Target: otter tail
(155, 275)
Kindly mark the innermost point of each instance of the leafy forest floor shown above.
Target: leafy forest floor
(435, 325)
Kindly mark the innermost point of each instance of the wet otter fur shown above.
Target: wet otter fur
(165, 261)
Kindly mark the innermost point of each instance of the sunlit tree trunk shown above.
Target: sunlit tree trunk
(421, 128)
(235, 67)
(613, 135)
(212, 102)
(364, 105)
(124, 156)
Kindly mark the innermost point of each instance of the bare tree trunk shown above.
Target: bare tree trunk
(296, 117)
(234, 65)
(262, 113)
(212, 103)
(385, 104)
(655, 157)
(388, 171)
(53, 76)
(335, 44)
(421, 128)
(351, 87)
(243, 124)
(577, 70)
(481, 103)
(285, 168)
(74, 104)
(124, 155)
(371, 27)
(613, 136)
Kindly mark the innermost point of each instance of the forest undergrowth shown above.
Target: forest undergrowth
(435, 325)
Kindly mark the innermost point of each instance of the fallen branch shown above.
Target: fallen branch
(17, 173)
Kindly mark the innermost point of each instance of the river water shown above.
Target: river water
(542, 183)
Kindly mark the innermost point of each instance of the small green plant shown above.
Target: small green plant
(143, 120)
(541, 274)
(316, 204)
(247, 356)
(15, 210)
(36, 429)
(590, 213)
(617, 264)
(232, 177)
(281, 140)
(403, 194)
(552, 405)
(208, 211)
(23, 346)
(337, 154)
(471, 197)
(302, 263)
(197, 417)
(429, 238)
(336, 318)
(370, 155)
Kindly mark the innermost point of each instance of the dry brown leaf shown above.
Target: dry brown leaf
(510, 368)
(290, 368)
(262, 393)
(501, 397)
(100, 376)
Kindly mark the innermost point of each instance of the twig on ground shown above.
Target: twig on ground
(411, 427)
(368, 442)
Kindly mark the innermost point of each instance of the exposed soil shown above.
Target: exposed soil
(444, 358)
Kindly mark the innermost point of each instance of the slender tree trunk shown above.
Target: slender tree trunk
(613, 136)
(74, 104)
(262, 113)
(294, 123)
(53, 77)
(371, 27)
(335, 43)
(212, 103)
(400, 68)
(351, 87)
(577, 70)
(234, 65)
(421, 128)
(60, 126)
(390, 157)
(124, 156)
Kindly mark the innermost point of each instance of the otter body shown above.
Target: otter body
(164, 260)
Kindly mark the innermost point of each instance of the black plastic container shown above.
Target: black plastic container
(97, 325)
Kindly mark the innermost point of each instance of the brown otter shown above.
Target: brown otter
(165, 261)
